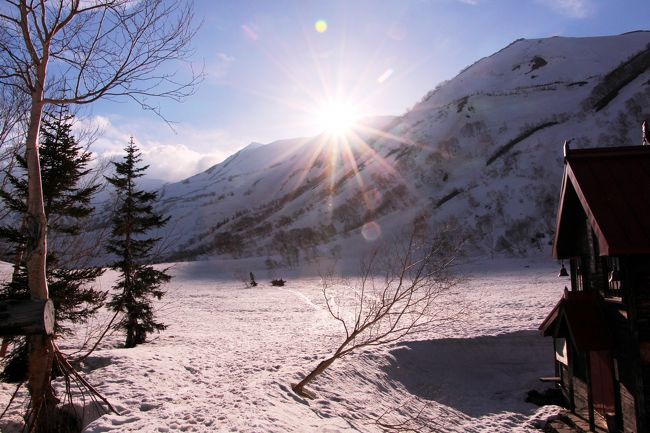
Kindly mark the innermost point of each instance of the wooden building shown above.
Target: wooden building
(601, 325)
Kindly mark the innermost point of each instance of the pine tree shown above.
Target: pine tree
(139, 282)
(67, 202)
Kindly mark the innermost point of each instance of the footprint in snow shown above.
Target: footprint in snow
(191, 369)
(146, 407)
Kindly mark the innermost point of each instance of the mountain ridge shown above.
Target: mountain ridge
(481, 152)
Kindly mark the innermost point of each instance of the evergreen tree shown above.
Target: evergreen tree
(63, 168)
(139, 282)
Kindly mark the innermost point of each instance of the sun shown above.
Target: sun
(337, 118)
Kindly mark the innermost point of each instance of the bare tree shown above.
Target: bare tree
(76, 52)
(401, 291)
(13, 110)
(13, 107)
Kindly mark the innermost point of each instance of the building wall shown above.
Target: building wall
(624, 365)
(628, 410)
(593, 269)
(580, 396)
(629, 323)
(628, 320)
(636, 274)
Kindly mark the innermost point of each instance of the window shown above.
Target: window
(577, 282)
(613, 289)
(561, 351)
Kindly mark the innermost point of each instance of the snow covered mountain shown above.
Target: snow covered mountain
(481, 153)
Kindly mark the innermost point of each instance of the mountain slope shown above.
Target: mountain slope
(482, 153)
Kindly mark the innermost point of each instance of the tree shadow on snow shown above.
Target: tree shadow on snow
(476, 376)
(95, 362)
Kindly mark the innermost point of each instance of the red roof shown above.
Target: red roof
(578, 316)
(611, 187)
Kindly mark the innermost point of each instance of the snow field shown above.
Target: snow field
(230, 355)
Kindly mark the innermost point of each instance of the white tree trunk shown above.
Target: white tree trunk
(36, 219)
(41, 351)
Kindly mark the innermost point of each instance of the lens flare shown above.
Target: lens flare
(321, 26)
(249, 32)
(371, 231)
(385, 76)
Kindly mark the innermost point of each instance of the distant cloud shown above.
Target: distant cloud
(175, 161)
(470, 2)
(168, 162)
(570, 8)
(168, 155)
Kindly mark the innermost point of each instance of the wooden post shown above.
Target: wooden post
(570, 356)
(590, 393)
(26, 317)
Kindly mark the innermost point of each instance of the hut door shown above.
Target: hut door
(602, 381)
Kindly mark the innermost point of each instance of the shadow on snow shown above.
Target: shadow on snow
(477, 376)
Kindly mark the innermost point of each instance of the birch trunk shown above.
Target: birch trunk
(35, 251)
(41, 351)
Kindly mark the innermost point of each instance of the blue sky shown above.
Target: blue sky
(268, 70)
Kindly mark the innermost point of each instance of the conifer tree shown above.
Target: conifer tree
(139, 282)
(67, 201)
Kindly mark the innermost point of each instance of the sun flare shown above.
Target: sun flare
(337, 118)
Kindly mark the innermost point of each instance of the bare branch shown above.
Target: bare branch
(416, 277)
(106, 48)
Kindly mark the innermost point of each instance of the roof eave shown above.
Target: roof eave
(560, 213)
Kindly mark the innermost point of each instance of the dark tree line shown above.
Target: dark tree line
(67, 200)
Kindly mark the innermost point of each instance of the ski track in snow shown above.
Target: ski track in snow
(230, 354)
